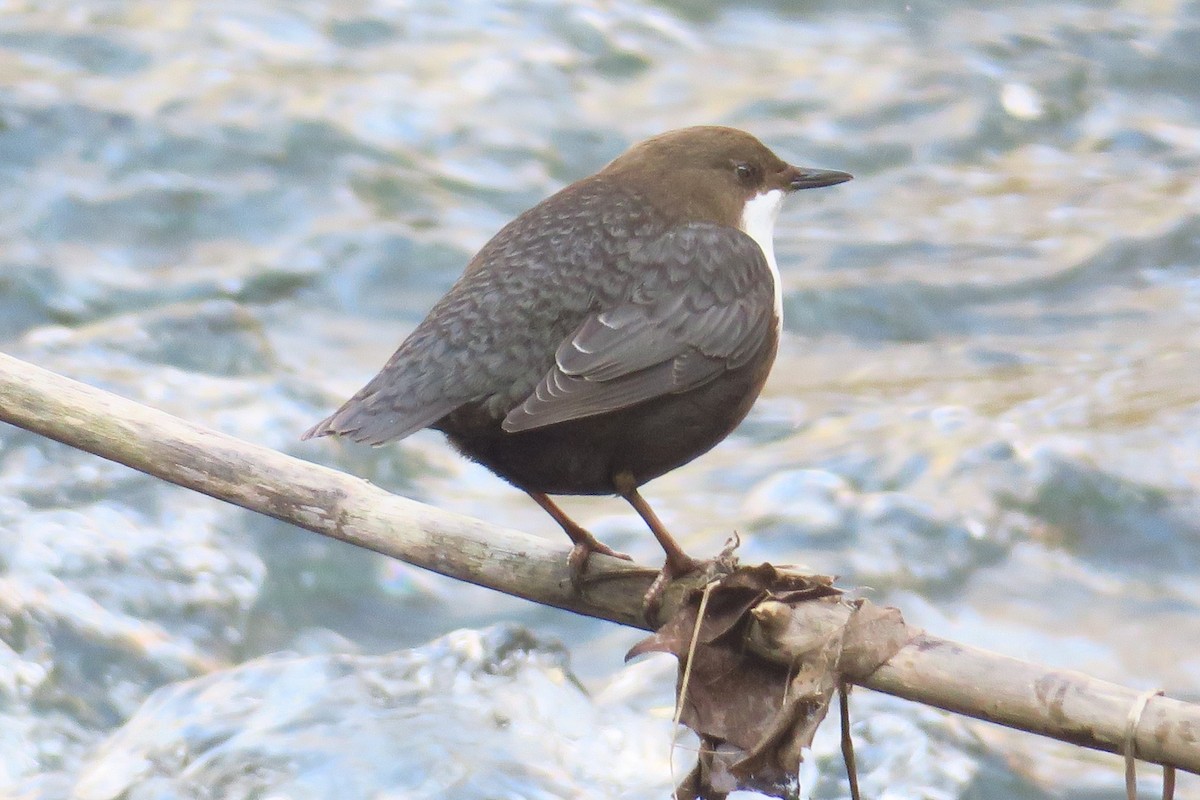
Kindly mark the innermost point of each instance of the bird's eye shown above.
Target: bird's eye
(745, 172)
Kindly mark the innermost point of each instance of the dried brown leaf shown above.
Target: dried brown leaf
(753, 715)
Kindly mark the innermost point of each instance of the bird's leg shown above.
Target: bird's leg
(678, 562)
(585, 543)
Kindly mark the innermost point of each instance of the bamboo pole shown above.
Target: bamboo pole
(1060, 704)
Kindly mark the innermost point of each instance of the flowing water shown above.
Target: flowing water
(986, 409)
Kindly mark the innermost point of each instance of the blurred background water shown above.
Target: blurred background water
(986, 409)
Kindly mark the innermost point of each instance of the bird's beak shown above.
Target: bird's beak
(809, 178)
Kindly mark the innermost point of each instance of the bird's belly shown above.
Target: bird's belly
(646, 440)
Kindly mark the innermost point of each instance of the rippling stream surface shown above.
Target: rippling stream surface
(986, 410)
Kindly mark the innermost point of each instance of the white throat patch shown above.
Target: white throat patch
(758, 222)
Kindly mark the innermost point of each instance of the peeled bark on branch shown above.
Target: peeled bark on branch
(1064, 705)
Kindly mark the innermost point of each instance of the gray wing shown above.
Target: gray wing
(705, 306)
(475, 350)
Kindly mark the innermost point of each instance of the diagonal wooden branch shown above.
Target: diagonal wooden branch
(1060, 704)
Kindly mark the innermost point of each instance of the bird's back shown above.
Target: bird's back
(489, 341)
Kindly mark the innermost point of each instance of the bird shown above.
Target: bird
(614, 332)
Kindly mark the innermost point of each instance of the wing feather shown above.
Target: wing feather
(705, 306)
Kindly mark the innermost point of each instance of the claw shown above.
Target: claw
(652, 599)
(580, 554)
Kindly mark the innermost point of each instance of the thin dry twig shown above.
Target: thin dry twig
(687, 676)
(1129, 750)
(848, 741)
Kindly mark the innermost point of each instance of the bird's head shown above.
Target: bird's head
(714, 174)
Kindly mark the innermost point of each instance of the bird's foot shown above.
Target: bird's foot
(580, 554)
(677, 566)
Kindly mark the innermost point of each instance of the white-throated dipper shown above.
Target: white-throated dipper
(611, 333)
